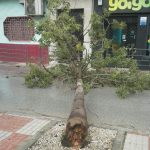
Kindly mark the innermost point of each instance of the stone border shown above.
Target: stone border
(118, 142)
(31, 140)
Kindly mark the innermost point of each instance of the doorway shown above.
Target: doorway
(78, 15)
(127, 37)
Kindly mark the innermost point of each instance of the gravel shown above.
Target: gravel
(100, 139)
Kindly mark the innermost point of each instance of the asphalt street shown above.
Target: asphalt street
(103, 106)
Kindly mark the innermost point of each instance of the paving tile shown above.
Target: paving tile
(12, 141)
(33, 127)
(136, 142)
(4, 135)
(15, 129)
(12, 123)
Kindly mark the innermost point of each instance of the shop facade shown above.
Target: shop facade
(136, 35)
(136, 15)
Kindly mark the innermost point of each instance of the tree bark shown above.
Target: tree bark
(77, 126)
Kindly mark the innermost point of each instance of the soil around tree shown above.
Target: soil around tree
(98, 139)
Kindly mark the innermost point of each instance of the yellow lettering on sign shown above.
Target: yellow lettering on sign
(134, 5)
(146, 3)
(113, 5)
(122, 4)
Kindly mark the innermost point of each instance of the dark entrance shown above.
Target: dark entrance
(78, 15)
(129, 33)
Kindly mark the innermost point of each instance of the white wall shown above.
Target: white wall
(10, 8)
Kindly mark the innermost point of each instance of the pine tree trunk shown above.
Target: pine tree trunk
(77, 126)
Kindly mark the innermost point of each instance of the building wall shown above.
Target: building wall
(11, 8)
(88, 7)
(11, 51)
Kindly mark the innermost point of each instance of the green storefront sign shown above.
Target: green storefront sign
(127, 6)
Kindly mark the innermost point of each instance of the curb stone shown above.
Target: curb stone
(31, 140)
(119, 141)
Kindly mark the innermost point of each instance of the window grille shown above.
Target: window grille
(18, 28)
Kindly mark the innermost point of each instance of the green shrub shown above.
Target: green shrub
(130, 81)
(146, 78)
(37, 77)
(87, 87)
(43, 77)
(122, 92)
